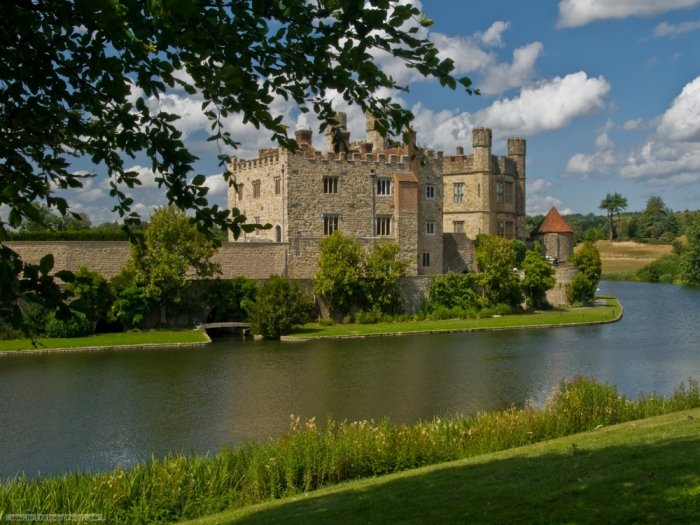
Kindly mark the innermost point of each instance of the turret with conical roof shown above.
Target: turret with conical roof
(555, 235)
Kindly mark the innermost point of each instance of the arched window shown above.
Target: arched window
(278, 233)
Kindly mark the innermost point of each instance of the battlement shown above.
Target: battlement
(516, 146)
(274, 156)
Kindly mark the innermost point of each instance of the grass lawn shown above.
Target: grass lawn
(151, 337)
(608, 312)
(645, 471)
(628, 257)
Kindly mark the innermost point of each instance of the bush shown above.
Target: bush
(35, 318)
(368, 317)
(580, 290)
(664, 269)
(230, 298)
(280, 305)
(78, 325)
(453, 289)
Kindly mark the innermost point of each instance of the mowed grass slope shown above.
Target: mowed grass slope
(628, 256)
(645, 471)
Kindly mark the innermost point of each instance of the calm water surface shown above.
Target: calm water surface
(67, 412)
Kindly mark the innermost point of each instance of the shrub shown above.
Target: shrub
(78, 325)
(580, 289)
(368, 317)
(230, 299)
(280, 305)
(453, 289)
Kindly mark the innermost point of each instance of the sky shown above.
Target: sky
(605, 92)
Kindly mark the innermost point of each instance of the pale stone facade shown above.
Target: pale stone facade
(485, 194)
(374, 193)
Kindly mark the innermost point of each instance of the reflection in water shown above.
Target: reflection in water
(99, 410)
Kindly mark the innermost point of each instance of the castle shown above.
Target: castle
(432, 205)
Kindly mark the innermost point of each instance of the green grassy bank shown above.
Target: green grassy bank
(311, 457)
(646, 471)
(607, 310)
(142, 338)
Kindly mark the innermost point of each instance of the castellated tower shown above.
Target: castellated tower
(516, 152)
(375, 138)
(481, 140)
(485, 193)
(342, 120)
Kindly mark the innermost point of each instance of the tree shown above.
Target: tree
(46, 219)
(173, 252)
(613, 203)
(690, 255)
(93, 297)
(496, 257)
(383, 268)
(584, 284)
(280, 305)
(656, 221)
(78, 80)
(452, 290)
(338, 279)
(539, 277)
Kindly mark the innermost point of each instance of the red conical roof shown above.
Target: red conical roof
(553, 223)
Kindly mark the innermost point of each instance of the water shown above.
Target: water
(96, 411)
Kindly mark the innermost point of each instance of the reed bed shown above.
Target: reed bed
(310, 456)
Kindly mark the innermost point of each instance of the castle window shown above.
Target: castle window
(458, 226)
(330, 224)
(383, 186)
(478, 190)
(499, 193)
(458, 193)
(430, 191)
(278, 185)
(509, 193)
(330, 184)
(256, 220)
(256, 189)
(430, 227)
(383, 225)
(501, 229)
(426, 259)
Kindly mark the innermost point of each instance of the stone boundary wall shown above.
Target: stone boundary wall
(253, 260)
(563, 275)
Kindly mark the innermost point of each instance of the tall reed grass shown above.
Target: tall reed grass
(309, 456)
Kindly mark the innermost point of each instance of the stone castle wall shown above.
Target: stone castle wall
(563, 275)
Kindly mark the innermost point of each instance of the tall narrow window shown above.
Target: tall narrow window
(330, 184)
(330, 224)
(430, 227)
(256, 189)
(499, 193)
(458, 193)
(278, 185)
(383, 225)
(256, 220)
(501, 229)
(430, 191)
(426, 259)
(383, 186)
(458, 226)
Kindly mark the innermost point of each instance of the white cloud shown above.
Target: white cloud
(666, 29)
(493, 36)
(633, 124)
(574, 13)
(539, 202)
(681, 122)
(217, 184)
(501, 77)
(548, 105)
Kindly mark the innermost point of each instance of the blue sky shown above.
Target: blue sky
(606, 92)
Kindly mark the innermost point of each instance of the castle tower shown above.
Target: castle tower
(516, 152)
(342, 125)
(375, 138)
(481, 141)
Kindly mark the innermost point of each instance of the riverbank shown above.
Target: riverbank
(147, 339)
(643, 471)
(310, 457)
(606, 310)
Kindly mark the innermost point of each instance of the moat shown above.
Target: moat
(96, 411)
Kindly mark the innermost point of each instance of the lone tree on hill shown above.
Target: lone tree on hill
(77, 80)
(613, 203)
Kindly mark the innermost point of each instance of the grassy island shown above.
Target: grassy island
(135, 339)
(606, 310)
